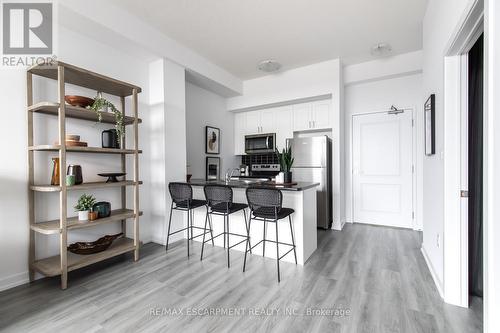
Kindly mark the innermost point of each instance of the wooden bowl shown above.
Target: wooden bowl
(102, 244)
(72, 137)
(80, 101)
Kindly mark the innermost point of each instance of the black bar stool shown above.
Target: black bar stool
(266, 205)
(182, 197)
(220, 202)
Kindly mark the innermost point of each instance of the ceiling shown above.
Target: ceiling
(237, 35)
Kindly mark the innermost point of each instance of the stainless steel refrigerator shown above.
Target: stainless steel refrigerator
(313, 163)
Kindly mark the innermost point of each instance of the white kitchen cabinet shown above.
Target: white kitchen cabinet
(239, 133)
(282, 120)
(321, 114)
(301, 117)
(268, 120)
(283, 125)
(253, 122)
(312, 116)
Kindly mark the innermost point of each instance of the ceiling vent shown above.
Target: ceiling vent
(381, 50)
(269, 66)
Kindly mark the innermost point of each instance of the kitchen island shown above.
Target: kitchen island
(300, 197)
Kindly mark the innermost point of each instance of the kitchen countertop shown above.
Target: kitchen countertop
(301, 186)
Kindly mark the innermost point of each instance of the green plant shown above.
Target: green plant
(285, 158)
(99, 104)
(85, 202)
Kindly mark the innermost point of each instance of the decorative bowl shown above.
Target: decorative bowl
(72, 137)
(80, 101)
(112, 176)
(102, 244)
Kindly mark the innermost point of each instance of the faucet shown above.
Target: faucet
(229, 174)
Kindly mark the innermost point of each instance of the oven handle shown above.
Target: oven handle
(267, 142)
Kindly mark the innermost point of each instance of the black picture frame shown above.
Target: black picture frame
(430, 125)
(212, 162)
(212, 140)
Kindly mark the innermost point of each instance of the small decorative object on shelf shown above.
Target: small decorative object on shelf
(102, 244)
(110, 139)
(70, 180)
(103, 208)
(286, 161)
(112, 176)
(80, 101)
(93, 215)
(55, 171)
(73, 140)
(84, 205)
(75, 170)
(101, 105)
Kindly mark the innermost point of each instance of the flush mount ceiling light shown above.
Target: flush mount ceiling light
(269, 66)
(381, 49)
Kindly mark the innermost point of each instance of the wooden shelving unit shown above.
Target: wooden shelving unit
(67, 261)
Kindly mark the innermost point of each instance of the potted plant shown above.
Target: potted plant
(286, 161)
(83, 206)
(101, 105)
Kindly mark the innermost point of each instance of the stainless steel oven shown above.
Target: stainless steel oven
(260, 143)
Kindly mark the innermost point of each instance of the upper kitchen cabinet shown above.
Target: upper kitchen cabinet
(283, 125)
(321, 114)
(301, 117)
(274, 120)
(262, 121)
(312, 116)
(239, 133)
(253, 124)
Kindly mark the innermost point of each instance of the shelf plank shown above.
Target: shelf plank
(52, 227)
(76, 112)
(52, 266)
(85, 78)
(84, 186)
(83, 149)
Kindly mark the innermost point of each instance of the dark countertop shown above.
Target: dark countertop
(301, 186)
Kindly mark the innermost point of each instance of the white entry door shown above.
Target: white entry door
(383, 169)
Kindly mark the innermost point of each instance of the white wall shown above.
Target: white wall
(441, 20)
(301, 83)
(13, 192)
(374, 96)
(384, 68)
(204, 108)
(492, 147)
(101, 19)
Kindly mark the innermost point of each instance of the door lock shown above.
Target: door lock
(464, 194)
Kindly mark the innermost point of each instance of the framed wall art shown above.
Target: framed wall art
(212, 140)
(430, 125)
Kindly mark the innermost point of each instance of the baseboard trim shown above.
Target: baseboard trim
(338, 228)
(437, 282)
(14, 280)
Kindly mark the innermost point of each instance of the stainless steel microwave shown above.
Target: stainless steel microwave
(260, 143)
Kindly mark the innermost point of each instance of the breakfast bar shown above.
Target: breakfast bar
(300, 197)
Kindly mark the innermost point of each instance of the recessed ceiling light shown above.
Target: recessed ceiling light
(269, 66)
(381, 49)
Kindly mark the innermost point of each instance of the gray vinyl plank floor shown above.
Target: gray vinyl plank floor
(362, 279)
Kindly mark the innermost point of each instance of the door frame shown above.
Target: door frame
(415, 224)
(456, 267)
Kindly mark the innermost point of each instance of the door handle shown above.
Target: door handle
(267, 142)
